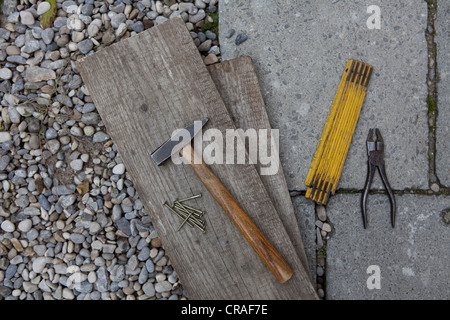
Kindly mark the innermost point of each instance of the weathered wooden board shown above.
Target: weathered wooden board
(239, 89)
(145, 87)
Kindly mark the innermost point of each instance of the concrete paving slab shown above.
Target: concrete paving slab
(413, 259)
(300, 50)
(442, 126)
(305, 213)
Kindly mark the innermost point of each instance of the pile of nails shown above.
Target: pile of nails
(187, 214)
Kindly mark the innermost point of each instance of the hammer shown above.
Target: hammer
(266, 251)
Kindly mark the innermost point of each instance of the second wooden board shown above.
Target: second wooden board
(239, 88)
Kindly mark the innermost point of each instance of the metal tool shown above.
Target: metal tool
(375, 151)
(269, 255)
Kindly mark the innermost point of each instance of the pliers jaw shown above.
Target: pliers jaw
(374, 141)
(375, 152)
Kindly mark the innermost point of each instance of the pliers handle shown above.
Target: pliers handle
(375, 151)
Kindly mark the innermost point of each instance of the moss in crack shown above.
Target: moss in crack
(432, 4)
(212, 26)
(432, 100)
(431, 107)
(322, 252)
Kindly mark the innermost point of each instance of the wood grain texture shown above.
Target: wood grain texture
(146, 86)
(265, 250)
(238, 85)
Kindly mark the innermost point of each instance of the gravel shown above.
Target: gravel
(72, 225)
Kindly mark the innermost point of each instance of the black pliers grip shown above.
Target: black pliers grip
(375, 151)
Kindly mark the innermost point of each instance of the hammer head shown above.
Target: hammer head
(174, 145)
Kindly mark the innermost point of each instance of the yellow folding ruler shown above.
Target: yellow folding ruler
(328, 161)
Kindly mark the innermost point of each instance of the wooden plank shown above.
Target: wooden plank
(239, 88)
(146, 86)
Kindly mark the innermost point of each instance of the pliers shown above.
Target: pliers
(375, 151)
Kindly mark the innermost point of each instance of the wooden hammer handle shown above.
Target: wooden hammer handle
(271, 257)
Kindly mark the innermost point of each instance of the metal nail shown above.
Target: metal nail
(193, 223)
(184, 208)
(193, 209)
(190, 198)
(184, 221)
(178, 214)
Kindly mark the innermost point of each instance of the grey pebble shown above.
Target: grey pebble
(102, 283)
(149, 289)
(63, 189)
(16, 59)
(4, 161)
(53, 146)
(144, 254)
(319, 271)
(47, 35)
(87, 9)
(230, 33)
(90, 118)
(124, 225)
(150, 266)
(100, 136)
(5, 291)
(321, 213)
(143, 276)
(10, 271)
(163, 286)
(76, 164)
(200, 15)
(201, 36)
(39, 264)
(117, 19)
(85, 46)
(319, 239)
(326, 227)
(138, 26)
(192, 10)
(67, 201)
(22, 201)
(45, 234)
(160, 19)
(77, 238)
(214, 50)
(212, 9)
(51, 133)
(40, 249)
(31, 211)
(210, 35)
(88, 107)
(240, 38)
(32, 234)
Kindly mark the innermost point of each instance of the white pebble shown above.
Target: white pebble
(4, 136)
(92, 277)
(26, 18)
(25, 225)
(121, 30)
(5, 73)
(39, 264)
(85, 157)
(119, 168)
(43, 7)
(93, 30)
(68, 294)
(76, 164)
(8, 226)
(74, 23)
